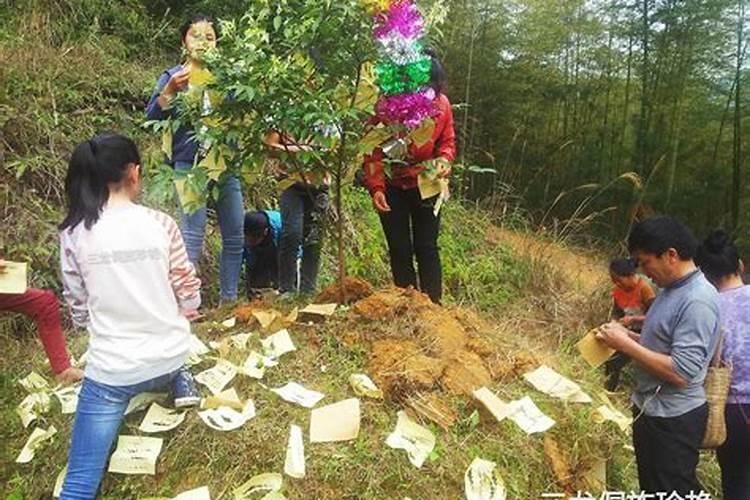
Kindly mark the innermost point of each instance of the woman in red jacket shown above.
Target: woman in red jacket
(410, 224)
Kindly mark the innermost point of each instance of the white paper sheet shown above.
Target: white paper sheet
(196, 351)
(548, 381)
(143, 400)
(135, 455)
(160, 419)
(14, 279)
(295, 393)
(217, 377)
(59, 482)
(39, 437)
(364, 387)
(33, 382)
(529, 417)
(270, 481)
(607, 413)
(335, 422)
(294, 464)
(482, 481)
(196, 494)
(254, 366)
(278, 344)
(417, 441)
(496, 406)
(33, 405)
(68, 397)
(227, 419)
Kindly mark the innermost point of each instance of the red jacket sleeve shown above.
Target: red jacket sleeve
(446, 143)
(374, 173)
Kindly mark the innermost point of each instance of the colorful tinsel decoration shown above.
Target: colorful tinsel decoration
(403, 70)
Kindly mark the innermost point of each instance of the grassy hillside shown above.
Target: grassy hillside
(67, 71)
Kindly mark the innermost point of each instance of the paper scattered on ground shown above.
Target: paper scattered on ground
(197, 350)
(294, 464)
(320, 309)
(266, 318)
(278, 344)
(482, 481)
(272, 320)
(335, 422)
(593, 350)
(274, 495)
(218, 376)
(240, 340)
(135, 455)
(32, 406)
(228, 398)
(548, 381)
(68, 397)
(255, 365)
(230, 323)
(295, 393)
(496, 406)
(160, 419)
(607, 413)
(270, 481)
(364, 387)
(417, 441)
(227, 419)
(34, 382)
(59, 482)
(196, 494)
(529, 417)
(143, 400)
(13, 280)
(595, 477)
(38, 438)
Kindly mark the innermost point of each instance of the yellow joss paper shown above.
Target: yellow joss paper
(199, 76)
(374, 6)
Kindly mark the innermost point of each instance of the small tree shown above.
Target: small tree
(295, 66)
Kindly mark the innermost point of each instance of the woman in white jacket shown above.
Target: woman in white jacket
(128, 280)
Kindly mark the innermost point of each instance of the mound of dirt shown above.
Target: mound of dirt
(429, 354)
(354, 289)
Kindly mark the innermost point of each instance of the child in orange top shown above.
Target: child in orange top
(632, 296)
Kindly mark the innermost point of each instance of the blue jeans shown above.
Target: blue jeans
(231, 214)
(98, 418)
(302, 211)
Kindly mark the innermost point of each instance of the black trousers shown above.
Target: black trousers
(411, 230)
(667, 451)
(734, 455)
(265, 271)
(613, 368)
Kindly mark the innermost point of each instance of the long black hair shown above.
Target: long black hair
(718, 256)
(93, 166)
(438, 75)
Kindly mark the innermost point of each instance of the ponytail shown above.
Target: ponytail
(94, 165)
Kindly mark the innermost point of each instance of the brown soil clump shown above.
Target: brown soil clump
(401, 369)
(390, 302)
(464, 373)
(428, 353)
(354, 289)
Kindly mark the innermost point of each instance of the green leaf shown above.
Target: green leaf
(276, 23)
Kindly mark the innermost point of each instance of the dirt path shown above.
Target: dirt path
(581, 269)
